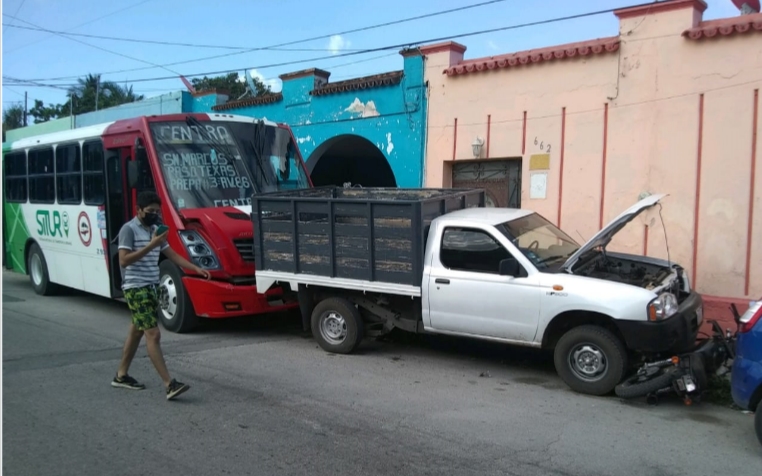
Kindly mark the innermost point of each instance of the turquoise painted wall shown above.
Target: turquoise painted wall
(391, 117)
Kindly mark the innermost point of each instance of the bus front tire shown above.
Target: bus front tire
(175, 308)
(37, 268)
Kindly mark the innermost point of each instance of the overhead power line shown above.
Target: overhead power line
(78, 26)
(378, 49)
(18, 9)
(97, 47)
(296, 42)
(165, 43)
(66, 86)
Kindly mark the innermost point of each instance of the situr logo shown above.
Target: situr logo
(52, 223)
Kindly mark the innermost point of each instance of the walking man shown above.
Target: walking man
(139, 249)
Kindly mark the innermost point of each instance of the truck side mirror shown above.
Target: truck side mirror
(509, 267)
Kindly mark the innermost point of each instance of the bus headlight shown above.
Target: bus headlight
(662, 307)
(200, 252)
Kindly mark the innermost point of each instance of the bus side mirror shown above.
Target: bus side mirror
(132, 173)
(134, 167)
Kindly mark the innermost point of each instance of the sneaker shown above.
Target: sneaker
(176, 388)
(126, 381)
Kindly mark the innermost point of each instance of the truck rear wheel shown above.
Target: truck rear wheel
(337, 325)
(590, 360)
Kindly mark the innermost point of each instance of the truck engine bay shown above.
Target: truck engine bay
(636, 273)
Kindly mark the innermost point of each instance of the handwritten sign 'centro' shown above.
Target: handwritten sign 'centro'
(177, 134)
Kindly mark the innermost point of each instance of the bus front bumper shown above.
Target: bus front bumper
(219, 299)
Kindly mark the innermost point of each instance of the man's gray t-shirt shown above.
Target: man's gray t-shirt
(145, 272)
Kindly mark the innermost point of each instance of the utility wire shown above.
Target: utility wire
(165, 43)
(98, 47)
(295, 42)
(18, 10)
(78, 26)
(33, 83)
(378, 49)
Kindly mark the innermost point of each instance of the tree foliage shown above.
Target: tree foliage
(82, 99)
(231, 83)
(13, 118)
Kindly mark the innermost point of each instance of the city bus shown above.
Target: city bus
(67, 194)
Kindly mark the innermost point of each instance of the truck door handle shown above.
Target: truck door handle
(442, 281)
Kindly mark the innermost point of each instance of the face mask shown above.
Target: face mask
(151, 219)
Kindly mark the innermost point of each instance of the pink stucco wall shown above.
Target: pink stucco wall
(668, 93)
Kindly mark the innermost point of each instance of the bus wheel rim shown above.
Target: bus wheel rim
(36, 269)
(168, 297)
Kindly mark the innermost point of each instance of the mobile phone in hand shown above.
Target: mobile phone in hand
(161, 230)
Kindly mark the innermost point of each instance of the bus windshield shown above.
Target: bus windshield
(219, 164)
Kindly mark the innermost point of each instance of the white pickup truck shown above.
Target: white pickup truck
(365, 261)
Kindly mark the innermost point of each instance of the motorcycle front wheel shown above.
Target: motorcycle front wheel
(642, 385)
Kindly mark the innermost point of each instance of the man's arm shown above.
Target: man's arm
(174, 257)
(127, 252)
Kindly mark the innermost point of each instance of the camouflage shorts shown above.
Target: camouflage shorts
(144, 304)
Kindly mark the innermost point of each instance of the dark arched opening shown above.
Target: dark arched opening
(350, 158)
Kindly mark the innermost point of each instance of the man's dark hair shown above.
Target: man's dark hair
(148, 198)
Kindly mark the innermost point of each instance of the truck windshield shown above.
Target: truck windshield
(539, 240)
(218, 164)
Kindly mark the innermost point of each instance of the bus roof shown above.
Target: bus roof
(98, 130)
(89, 132)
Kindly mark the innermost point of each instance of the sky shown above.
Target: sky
(42, 56)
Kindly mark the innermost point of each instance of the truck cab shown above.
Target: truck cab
(511, 275)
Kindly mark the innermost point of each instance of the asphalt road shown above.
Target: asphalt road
(265, 400)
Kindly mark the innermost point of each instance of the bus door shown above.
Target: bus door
(118, 209)
(127, 173)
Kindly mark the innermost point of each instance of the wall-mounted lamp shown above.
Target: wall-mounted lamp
(476, 146)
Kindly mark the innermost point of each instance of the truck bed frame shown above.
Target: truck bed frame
(368, 239)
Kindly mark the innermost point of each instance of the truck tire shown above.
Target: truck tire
(590, 360)
(175, 310)
(633, 387)
(37, 268)
(337, 325)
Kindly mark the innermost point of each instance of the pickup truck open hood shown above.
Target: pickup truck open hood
(603, 237)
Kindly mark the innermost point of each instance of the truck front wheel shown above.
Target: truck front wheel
(590, 359)
(337, 325)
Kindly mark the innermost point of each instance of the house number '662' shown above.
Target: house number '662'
(542, 145)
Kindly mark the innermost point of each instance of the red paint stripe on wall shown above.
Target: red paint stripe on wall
(561, 171)
(455, 139)
(524, 135)
(603, 170)
(489, 126)
(698, 189)
(750, 226)
(645, 240)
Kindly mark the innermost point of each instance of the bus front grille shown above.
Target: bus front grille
(245, 249)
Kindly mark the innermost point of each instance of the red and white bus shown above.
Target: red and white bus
(67, 194)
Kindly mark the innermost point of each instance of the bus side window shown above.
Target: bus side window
(42, 182)
(69, 174)
(93, 170)
(15, 177)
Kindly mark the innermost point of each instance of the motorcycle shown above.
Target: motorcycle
(687, 375)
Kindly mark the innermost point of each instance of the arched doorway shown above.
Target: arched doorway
(350, 158)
